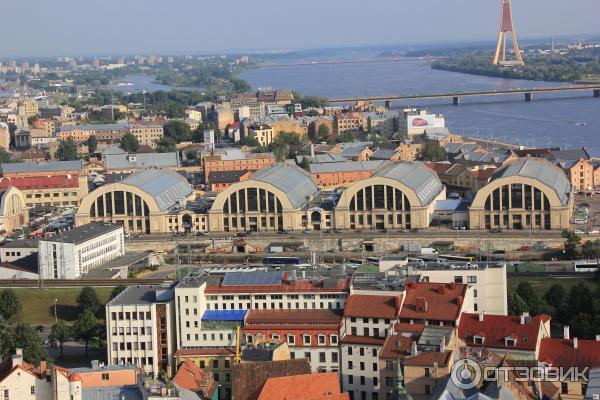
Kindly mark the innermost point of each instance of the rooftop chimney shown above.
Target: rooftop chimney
(575, 343)
(566, 332)
(312, 150)
(442, 344)
(524, 318)
(17, 358)
(480, 317)
(598, 338)
(413, 348)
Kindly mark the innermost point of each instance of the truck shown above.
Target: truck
(428, 251)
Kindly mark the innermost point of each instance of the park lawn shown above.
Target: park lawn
(38, 305)
(541, 285)
(525, 267)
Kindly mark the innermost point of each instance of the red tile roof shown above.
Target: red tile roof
(325, 386)
(396, 346)
(429, 358)
(289, 317)
(438, 168)
(495, 328)
(562, 353)
(36, 182)
(366, 340)
(409, 328)
(205, 352)
(285, 286)
(189, 376)
(433, 301)
(367, 306)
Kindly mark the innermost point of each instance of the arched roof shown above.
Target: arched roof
(295, 182)
(541, 170)
(165, 186)
(416, 176)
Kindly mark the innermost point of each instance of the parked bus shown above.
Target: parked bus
(457, 258)
(586, 266)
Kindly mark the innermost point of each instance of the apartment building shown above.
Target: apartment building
(310, 334)
(262, 132)
(74, 253)
(103, 132)
(147, 134)
(342, 173)
(64, 190)
(349, 122)
(140, 324)
(488, 282)
(235, 160)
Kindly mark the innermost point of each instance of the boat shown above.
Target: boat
(581, 124)
(121, 84)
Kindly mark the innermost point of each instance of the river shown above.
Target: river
(566, 120)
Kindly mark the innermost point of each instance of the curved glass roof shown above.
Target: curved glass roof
(295, 182)
(540, 170)
(165, 186)
(416, 176)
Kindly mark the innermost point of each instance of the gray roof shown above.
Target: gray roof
(22, 244)
(97, 127)
(143, 295)
(416, 176)
(52, 166)
(112, 393)
(113, 150)
(83, 233)
(140, 160)
(165, 186)
(540, 170)
(295, 182)
(345, 166)
(383, 154)
(321, 158)
(570, 155)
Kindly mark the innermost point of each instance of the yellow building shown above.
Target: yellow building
(216, 361)
(13, 212)
(147, 134)
(530, 193)
(262, 132)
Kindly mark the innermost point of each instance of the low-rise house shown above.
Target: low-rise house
(324, 386)
(221, 180)
(342, 173)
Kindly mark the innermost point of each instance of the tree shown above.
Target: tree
(92, 144)
(572, 241)
(178, 131)
(86, 328)
(516, 305)
(433, 151)
(88, 300)
(346, 138)
(5, 156)
(61, 332)
(323, 133)
(191, 155)
(129, 143)
(250, 141)
(21, 336)
(305, 164)
(9, 303)
(117, 291)
(67, 150)
(591, 249)
(166, 145)
(556, 296)
(535, 304)
(12, 128)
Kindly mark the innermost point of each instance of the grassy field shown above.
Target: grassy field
(525, 267)
(543, 284)
(38, 305)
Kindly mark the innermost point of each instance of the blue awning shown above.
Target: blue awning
(224, 315)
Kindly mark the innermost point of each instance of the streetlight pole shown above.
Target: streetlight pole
(55, 313)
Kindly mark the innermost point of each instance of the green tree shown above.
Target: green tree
(591, 249)
(88, 300)
(117, 290)
(12, 128)
(433, 151)
(21, 336)
(61, 332)
(556, 296)
(535, 304)
(9, 303)
(250, 141)
(516, 305)
(572, 241)
(5, 156)
(86, 327)
(67, 150)
(305, 163)
(92, 144)
(346, 138)
(166, 145)
(178, 131)
(191, 155)
(129, 143)
(323, 133)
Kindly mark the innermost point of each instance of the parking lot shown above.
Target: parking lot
(591, 224)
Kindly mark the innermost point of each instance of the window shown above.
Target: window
(333, 339)
(321, 339)
(478, 339)
(33, 390)
(334, 357)
(374, 366)
(471, 279)
(291, 339)
(105, 376)
(458, 279)
(349, 351)
(322, 358)
(215, 364)
(362, 366)
(427, 389)
(564, 388)
(427, 372)
(307, 356)
(362, 380)
(306, 339)
(351, 379)
(350, 365)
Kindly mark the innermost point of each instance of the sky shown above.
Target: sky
(113, 27)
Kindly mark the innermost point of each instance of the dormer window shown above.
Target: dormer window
(510, 341)
(478, 339)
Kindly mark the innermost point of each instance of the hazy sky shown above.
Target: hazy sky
(70, 27)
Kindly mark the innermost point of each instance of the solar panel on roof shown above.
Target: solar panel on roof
(252, 279)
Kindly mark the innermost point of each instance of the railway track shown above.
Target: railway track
(66, 283)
